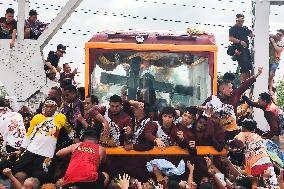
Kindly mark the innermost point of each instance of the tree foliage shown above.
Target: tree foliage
(3, 91)
(280, 92)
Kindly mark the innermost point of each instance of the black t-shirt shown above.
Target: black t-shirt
(6, 29)
(240, 33)
(53, 58)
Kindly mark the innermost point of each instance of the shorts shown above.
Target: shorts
(30, 163)
(273, 67)
(99, 184)
(244, 61)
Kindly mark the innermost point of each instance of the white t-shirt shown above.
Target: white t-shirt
(41, 137)
(12, 128)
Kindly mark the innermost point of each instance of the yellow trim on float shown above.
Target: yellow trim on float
(171, 150)
(87, 71)
(215, 77)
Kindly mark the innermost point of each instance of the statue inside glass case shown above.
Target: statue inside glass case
(158, 78)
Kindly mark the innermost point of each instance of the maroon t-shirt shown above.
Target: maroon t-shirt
(171, 132)
(145, 140)
(188, 134)
(90, 117)
(121, 120)
(214, 135)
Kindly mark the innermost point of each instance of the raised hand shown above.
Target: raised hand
(124, 181)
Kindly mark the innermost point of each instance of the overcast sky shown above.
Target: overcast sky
(93, 16)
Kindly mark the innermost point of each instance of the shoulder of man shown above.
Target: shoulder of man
(60, 115)
(51, 53)
(38, 118)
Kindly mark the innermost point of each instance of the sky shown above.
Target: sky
(92, 16)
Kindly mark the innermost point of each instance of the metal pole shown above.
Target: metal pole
(21, 19)
(261, 48)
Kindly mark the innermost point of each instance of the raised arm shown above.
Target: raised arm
(247, 84)
(14, 35)
(67, 151)
(8, 172)
(275, 46)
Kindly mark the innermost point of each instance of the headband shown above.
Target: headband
(50, 102)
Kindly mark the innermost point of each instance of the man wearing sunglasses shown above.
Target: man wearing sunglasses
(238, 35)
(51, 65)
(275, 49)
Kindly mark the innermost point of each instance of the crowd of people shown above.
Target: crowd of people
(69, 133)
(63, 144)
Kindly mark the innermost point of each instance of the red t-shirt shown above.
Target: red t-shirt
(84, 164)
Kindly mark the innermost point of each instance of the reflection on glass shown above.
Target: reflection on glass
(178, 79)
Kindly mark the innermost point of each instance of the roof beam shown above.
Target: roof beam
(277, 2)
(57, 22)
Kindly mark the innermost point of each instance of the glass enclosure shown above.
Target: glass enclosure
(178, 79)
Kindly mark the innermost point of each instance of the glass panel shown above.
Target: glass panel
(160, 78)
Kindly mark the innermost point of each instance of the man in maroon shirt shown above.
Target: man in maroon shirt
(120, 123)
(142, 132)
(164, 132)
(231, 96)
(185, 134)
(93, 117)
(270, 113)
(207, 133)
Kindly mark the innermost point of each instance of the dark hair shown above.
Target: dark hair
(244, 182)
(168, 110)
(115, 98)
(70, 88)
(240, 16)
(90, 133)
(57, 89)
(94, 99)
(229, 76)
(26, 114)
(224, 82)
(281, 30)
(81, 93)
(65, 65)
(173, 184)
(33, 13)
(266, 97)
(202, 117)
(3, 102)
(191, 110)
(249, 124)
(10, 10)
(207, 185)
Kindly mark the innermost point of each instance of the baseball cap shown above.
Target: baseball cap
(61, 48)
